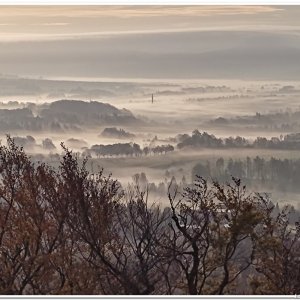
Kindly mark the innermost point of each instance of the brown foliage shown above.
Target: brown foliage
(67, 231)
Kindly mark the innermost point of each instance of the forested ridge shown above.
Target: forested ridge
(68, 231)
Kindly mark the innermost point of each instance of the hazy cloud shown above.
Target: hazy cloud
(69, 22)
(129, 11)
(7, 24)
(51, 24)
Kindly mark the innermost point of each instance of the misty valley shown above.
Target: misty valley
(149, 149)
(149, 187)
(154, 131)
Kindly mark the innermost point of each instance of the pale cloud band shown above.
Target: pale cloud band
(50, 24)
(131, 11)
(291, 30)
(21, 23)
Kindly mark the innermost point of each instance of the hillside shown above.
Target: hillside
(64, 115)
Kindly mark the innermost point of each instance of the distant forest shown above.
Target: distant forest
(206, 140)
(279, 121)
(279, 174)
(197, 140)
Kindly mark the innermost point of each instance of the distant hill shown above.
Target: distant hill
(77, 106)
(16, 119)
(87, 113)
(65, 115)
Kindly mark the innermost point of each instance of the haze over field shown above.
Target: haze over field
(85, 76)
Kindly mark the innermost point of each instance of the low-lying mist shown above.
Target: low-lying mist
(148, 126)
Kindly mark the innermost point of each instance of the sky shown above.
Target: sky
(241, 42)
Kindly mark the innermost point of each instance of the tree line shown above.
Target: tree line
(126, 149)
(206, 140)
(196, 140)
(67, 231)
(282, 174)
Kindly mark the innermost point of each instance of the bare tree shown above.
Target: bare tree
(213, 230)
(278, 257)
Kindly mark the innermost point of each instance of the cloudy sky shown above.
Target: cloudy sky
(248, 42)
